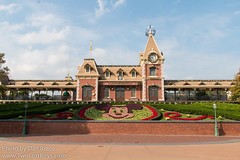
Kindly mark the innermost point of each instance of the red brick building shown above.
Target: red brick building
(143, 82)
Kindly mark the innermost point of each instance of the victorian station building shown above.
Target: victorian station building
(142, 82)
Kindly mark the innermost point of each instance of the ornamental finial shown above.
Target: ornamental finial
(150, 30)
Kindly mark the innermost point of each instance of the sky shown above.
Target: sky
(48, 39)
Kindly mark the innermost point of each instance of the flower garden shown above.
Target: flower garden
(128, 112)
(124, 111)
(116, 112)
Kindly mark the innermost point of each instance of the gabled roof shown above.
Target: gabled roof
(114, 69)
(92, 64)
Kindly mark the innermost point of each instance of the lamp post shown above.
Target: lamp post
(215, 119)
(24, 132)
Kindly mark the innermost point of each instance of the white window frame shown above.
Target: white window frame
(106, 90)
(133, 92)
(120, 75)
(134, 74)
(151, 71)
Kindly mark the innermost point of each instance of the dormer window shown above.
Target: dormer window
(40, 84)
(134, 74)
(152, 71)
(88, 69)
(25, 83)
(120, 75)
(107, 73)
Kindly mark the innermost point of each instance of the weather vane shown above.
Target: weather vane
(150, 30)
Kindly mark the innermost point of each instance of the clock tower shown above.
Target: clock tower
(151, 61)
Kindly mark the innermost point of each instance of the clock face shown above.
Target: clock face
(153, 57)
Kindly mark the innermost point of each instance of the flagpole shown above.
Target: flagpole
(91, 49)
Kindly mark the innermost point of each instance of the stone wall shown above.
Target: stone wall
(140, 127)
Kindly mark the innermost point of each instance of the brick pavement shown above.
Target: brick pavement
(120, 147)
(126, 139)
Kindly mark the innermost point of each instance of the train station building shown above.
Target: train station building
(142, 82)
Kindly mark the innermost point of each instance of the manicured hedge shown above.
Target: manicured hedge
(227, 110)
(17, 109)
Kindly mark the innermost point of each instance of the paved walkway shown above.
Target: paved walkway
(120, 147)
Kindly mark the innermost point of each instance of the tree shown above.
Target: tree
(236, 88)
(4, 71)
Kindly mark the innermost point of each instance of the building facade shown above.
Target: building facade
(142, 82)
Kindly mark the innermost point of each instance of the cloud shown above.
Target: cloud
(237, 13)
(6, 26)
(106, 6)
(101, 8)
(45, 20)
(44, 36)
(9, 8)
(118, 3)
(39, 64)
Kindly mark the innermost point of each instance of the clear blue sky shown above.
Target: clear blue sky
(46, 39)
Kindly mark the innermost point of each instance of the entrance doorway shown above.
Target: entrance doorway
(153, 93)
(120, 94)
(87, 93)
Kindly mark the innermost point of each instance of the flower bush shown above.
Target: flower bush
(167, 118)
(103, 106)
(220, 117)
(69, 118)
(81, 113)
(178, 116)
(59, 116)
(134, 107)
(48, 115)
(20, 117)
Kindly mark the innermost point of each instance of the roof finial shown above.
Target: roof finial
(150, 30)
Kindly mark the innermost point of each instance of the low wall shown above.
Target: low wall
(109, 127)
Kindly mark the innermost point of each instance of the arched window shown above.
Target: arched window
(87, 93)
(152, 71)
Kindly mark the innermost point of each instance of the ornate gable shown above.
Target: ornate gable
(88, 68)
(151, 53)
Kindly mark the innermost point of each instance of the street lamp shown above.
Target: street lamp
(24, 132)
(215, 119)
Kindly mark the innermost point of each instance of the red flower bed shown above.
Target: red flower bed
(154, 113)
(59, 116)
(177, 116)
(82, 113)
(64, 115)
